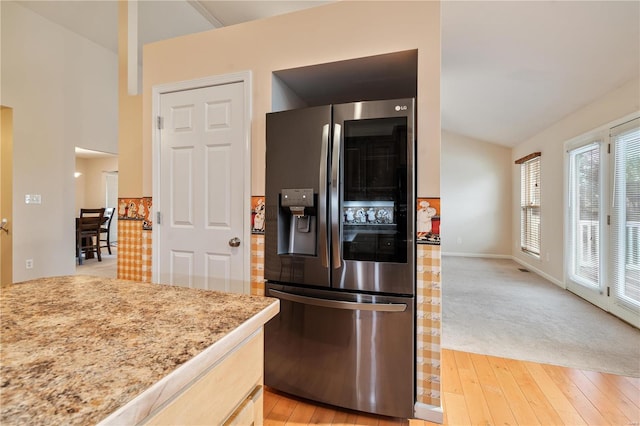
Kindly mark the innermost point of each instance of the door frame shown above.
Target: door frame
(113, 232)
(157, 91)
(626, 311)
(594, 295)
(6, 195)
(603, 297)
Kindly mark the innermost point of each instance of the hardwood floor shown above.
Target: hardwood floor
(487, 390)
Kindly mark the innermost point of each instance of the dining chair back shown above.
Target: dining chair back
(106, 229)
(88, 232)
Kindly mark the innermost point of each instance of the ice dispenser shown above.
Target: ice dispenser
(297, 222)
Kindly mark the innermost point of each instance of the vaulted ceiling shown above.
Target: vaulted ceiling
(510, 69)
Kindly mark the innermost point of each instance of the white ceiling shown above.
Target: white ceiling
(89, 154)
(158, 20)
(510, 69)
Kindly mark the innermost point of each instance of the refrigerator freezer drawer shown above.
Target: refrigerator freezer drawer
(339, 304)
(356, 354)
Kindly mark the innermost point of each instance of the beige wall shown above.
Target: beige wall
(614, 105)
(338, 31)
(91, 185)
(63, 91)
(476, 197)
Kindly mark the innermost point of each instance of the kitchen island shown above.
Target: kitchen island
(84, 350)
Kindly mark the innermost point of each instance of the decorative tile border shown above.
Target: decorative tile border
(136, 209)
(428, 324)
(257, 245)
(428, 221)
(257, 214)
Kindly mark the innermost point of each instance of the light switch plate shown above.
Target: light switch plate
(33, 199)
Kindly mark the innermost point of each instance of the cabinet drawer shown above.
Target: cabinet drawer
(250, 413)
(220, 391)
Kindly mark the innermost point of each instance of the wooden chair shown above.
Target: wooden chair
(106, 229)
(87, 228)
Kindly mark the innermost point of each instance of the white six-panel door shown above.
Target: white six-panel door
(202, 181)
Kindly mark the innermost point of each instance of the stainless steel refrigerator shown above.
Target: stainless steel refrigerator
(340, 254)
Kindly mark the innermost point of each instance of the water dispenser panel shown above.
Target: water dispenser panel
(297, 198)
(297, 222)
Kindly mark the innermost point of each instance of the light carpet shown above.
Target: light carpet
(108, 267)
(490, 307)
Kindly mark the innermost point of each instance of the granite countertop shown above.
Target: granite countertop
(74, 349)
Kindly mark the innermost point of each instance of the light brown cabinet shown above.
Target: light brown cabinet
(222, 385)
(229, 393)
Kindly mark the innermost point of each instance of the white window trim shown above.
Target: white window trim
(520, 208)
(601, 138)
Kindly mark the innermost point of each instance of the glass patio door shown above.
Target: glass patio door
(625, 221)
(603, 221)
(586, 236)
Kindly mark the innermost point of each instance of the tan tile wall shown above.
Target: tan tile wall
(257, 264)
(146, 260)
(428, 324)
(130, 249)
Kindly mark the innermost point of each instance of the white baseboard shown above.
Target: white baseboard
(430, 413)
(539, 272)
(487, 255)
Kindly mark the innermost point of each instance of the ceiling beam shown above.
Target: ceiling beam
(202, 10)
(132, 47)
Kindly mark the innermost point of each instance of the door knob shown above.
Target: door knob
(234, 242)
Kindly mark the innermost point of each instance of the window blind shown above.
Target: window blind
(585, 213)
(625, 218)
(530, 206)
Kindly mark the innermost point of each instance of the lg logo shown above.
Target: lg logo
(401, 107)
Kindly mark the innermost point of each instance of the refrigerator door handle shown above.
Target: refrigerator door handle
(322, 198)
(340, 304)
(336, 217)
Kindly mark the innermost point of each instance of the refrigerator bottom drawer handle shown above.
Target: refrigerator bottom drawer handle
(340, 304)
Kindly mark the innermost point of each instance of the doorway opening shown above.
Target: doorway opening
(6, 196)
(96, 181)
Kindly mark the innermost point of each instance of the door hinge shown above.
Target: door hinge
(608, 291)
(159, 122)
(158, 218)
(609, 149)
(608, 219)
